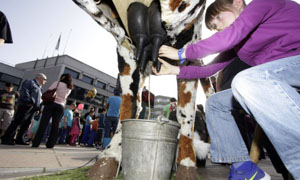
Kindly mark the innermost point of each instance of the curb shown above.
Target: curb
(18, 173)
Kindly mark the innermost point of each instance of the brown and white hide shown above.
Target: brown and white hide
(182, 21)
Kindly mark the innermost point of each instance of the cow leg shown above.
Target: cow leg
(131, 82)
(186, 159)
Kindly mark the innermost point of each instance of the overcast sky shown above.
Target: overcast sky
(37, 24)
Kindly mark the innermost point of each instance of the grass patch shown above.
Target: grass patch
(78, 174)
(74, 174)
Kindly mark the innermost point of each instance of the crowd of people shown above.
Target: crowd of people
(52, 122)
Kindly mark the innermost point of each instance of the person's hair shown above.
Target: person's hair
(172, 100)
(41, 75)
(73, 104)
(117, 92)
(67, 78)
(215, 8)
(9, 85)
(76, 114)
(101, 110)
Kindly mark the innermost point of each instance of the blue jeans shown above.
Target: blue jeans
(64, 134)
(110, 122)
(267, 93)
(86, 134)
(91, 138)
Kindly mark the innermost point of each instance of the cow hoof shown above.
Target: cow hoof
(104, 169)
(200, 163)
(186, 173)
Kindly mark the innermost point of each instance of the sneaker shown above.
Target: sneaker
(247, 171)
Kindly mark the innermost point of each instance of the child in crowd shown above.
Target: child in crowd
(100, 131)
(35, 123)
(66, 124)
(7, 104)
(93, 132)
(87, 128)
(266, 35)
(75, 130)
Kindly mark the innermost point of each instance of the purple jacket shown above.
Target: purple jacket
(265, 31)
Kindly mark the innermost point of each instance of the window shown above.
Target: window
(73, 73)
(11, 79)
(2, 85)
(111, 88)
(100, 84)
(98, 101)
(87, 79)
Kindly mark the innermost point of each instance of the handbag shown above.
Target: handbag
(49, 95)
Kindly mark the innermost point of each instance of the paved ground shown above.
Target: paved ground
(19, 161)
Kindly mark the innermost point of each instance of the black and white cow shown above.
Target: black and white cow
(182, 20)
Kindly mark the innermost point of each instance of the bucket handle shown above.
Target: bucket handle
(162, 120)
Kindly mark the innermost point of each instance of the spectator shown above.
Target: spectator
(34, 125)
(145, 102)
(93, 132)
(66, 124)
(54, 110)
(87, 129)
(28, 103)
(82, 121)
(113, 113)
(7, 105)
(75, 131)
(101, 127)
(5, 33)
(171, 107)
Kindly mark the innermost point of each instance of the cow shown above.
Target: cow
(182, 21)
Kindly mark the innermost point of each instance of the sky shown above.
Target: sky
(37, 24)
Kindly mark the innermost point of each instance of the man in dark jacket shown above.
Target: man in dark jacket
(28, 103)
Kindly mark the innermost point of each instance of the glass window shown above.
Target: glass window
(111, 88)
(2, 85)
(87, 79)
(73, 73)
(100, 84)
(10, 79)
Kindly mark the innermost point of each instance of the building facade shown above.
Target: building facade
(10, 74)
(84, 76)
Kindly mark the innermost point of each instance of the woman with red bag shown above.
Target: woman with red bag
(54, 110)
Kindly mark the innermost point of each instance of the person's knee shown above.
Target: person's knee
(243, 82)
(215, 101)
